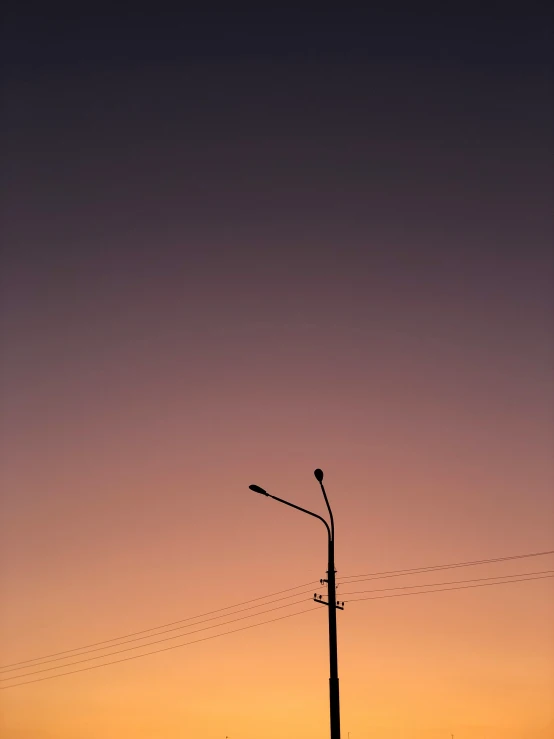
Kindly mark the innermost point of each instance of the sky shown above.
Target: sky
(237, 246)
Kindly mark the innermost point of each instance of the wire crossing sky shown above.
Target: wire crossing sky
(540, 576)
(374, 576)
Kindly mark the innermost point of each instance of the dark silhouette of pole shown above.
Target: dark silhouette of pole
(332, 604)
(334, 701)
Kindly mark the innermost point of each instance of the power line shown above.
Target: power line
(451, 582)
(79, 651)
(368, 576)
(150, 644)
(345, 579)
(225, 623)
(440, 590)
(4, 668)
(179, 628)
(156, 651)
(243, 628)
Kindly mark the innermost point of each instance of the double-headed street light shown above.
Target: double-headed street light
(333, 604)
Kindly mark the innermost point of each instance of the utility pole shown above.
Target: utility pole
(332, 603)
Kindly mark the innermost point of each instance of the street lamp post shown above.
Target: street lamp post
(332, 604)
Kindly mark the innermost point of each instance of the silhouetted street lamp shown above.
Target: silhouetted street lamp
(333, 604)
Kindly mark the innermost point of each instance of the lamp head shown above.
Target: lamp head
(258, 489)
(318, 475)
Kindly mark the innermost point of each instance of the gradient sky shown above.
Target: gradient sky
(236, 247)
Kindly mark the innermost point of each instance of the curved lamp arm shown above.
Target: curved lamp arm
(261, 491)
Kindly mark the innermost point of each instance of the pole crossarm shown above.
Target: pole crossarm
(319, 599)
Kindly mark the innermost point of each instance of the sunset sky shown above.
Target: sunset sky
(237, 247)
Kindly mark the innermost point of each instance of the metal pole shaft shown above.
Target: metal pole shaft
(334, 702)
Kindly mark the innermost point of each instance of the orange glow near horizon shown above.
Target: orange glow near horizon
(426, 663)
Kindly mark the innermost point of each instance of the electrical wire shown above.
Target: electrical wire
(441, 590)
(179, 628)
(150, 644)
(243, 628)
(156, 651)
(343, 581)
(451, 582)
(80, 651)
(4, 668)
